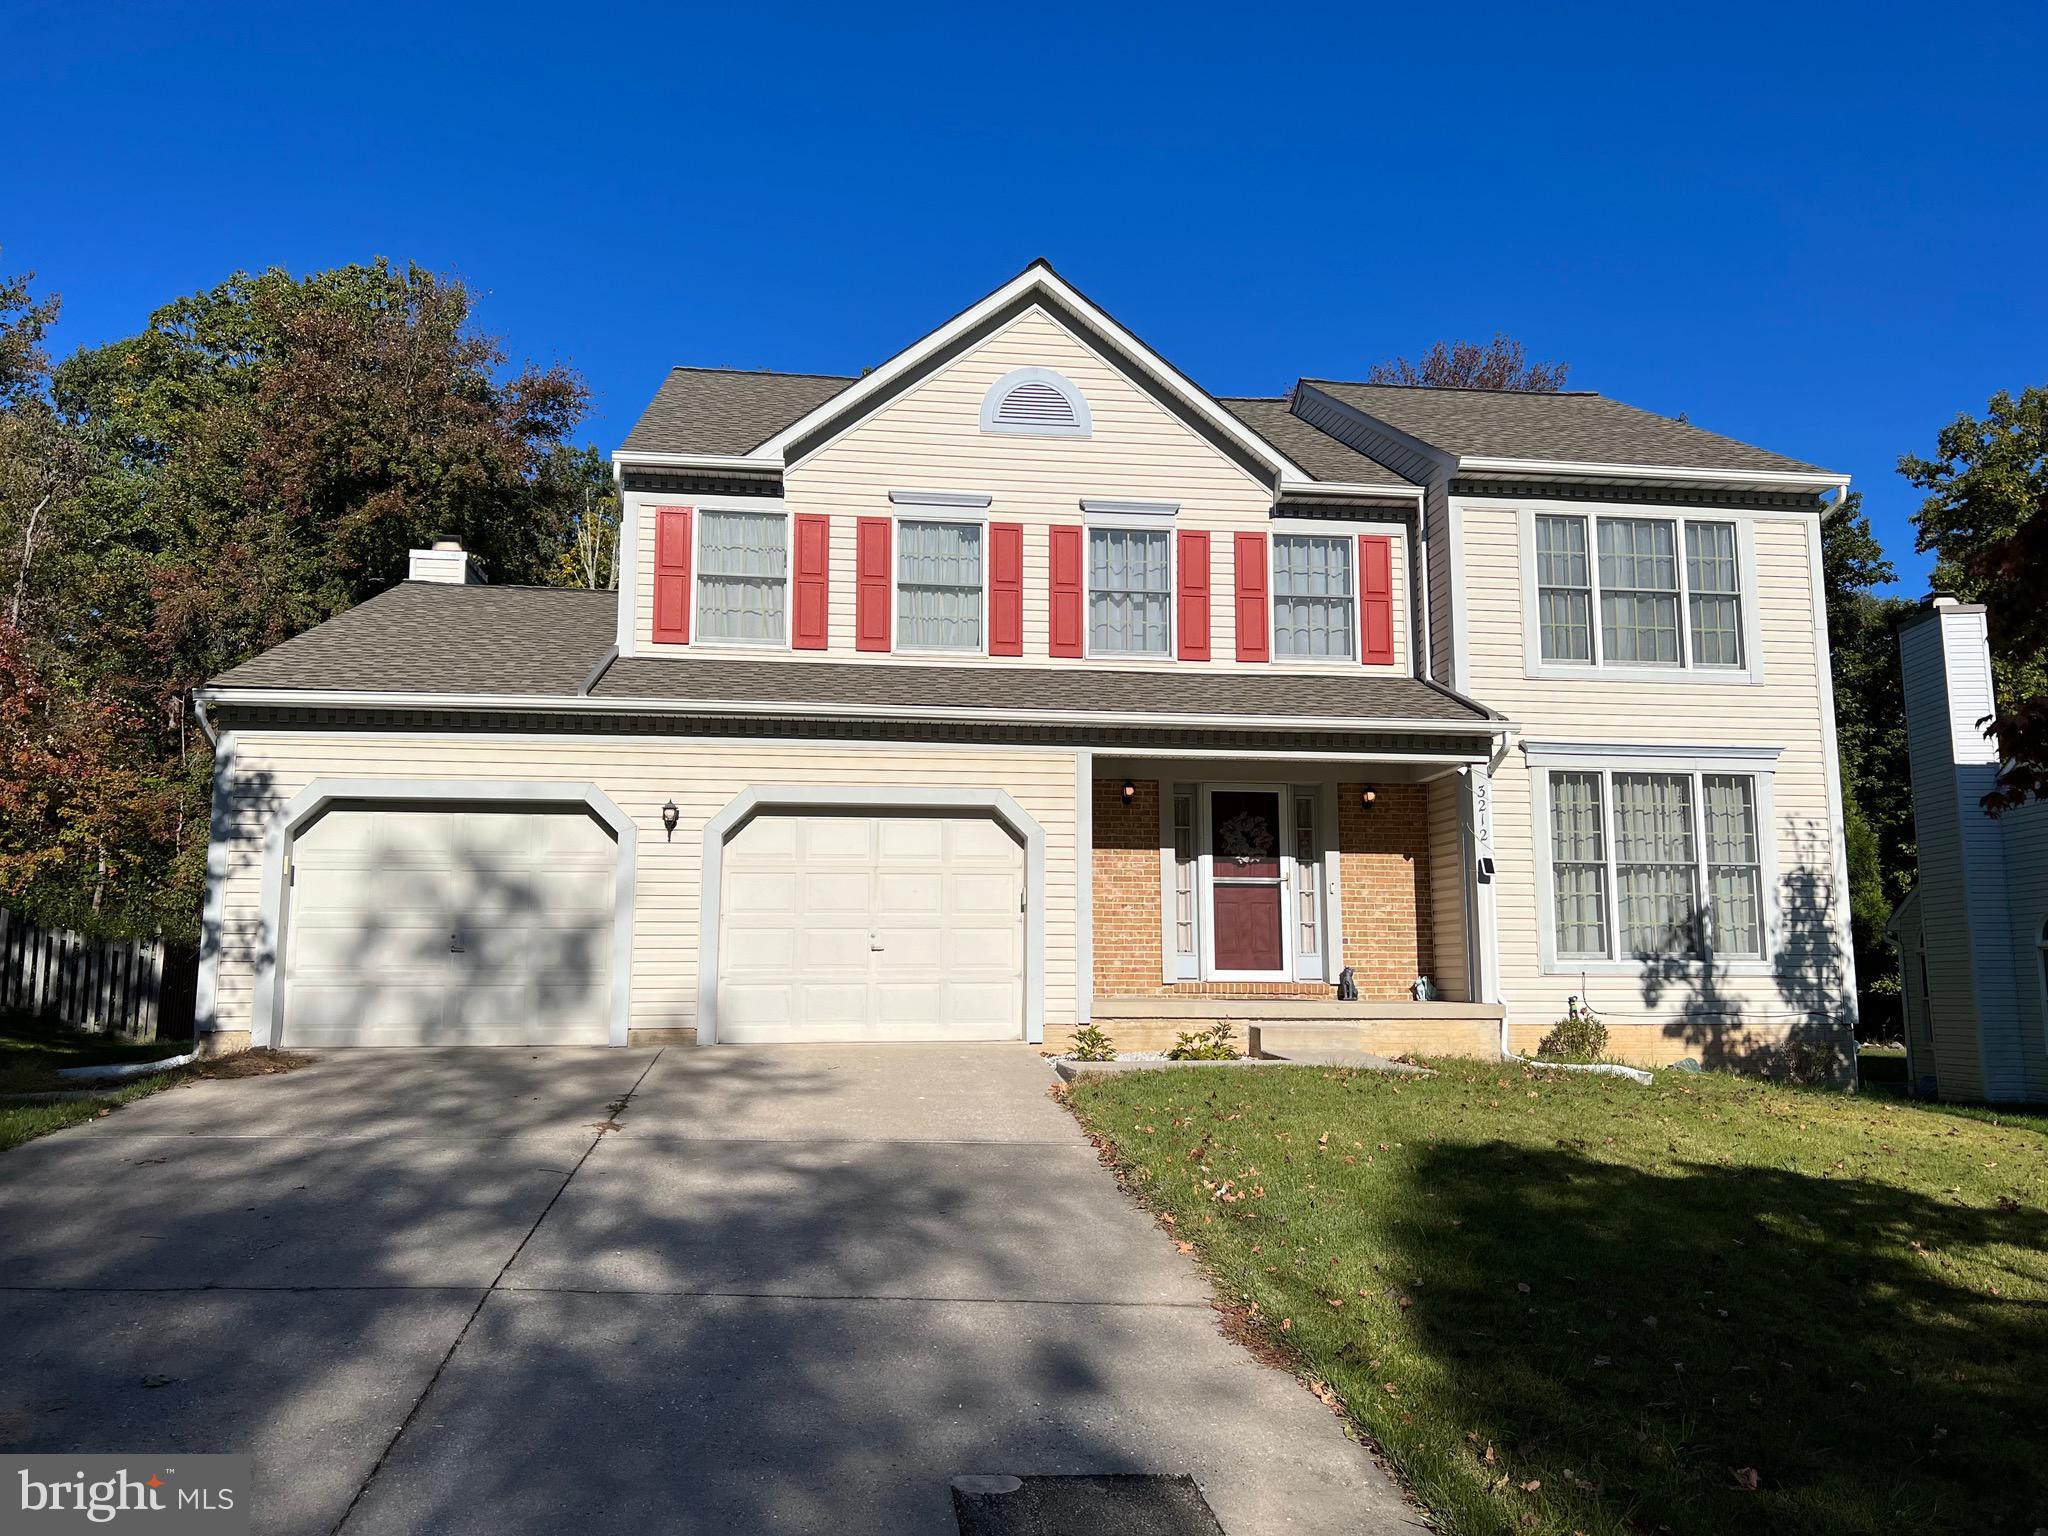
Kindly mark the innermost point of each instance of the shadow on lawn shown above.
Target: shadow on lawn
(1679, 1327)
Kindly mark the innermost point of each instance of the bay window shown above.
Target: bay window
(1655, 865)
(1636, 591)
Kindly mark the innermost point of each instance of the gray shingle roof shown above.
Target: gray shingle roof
(1313, 449)
(1245, 691)
(428, 637)
(729, 411)
(1579, 427)
(432, 637)
(726, 410)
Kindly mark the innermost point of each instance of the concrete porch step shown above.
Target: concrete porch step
(1289, 1010)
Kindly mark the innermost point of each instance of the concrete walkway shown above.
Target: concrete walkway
(796, 1289)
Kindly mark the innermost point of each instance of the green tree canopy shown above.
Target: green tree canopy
(258, 459)
(1986, 520)
(1870, 731)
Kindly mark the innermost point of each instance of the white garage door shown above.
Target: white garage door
(430, 926)
(851, 927)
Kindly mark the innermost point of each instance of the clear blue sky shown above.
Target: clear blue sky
(1822, 229)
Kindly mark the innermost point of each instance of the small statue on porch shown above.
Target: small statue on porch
(1347, 986)
(1424, 990)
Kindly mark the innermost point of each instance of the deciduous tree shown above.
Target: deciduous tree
(1986, 520)
(1502, 363)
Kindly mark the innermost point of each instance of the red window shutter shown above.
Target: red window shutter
(1254, 599)
(811, 610)
(672, 575)
(871, 619)
(1006, 589)
(1067, 592)
(1376, 598)
(1194, 596)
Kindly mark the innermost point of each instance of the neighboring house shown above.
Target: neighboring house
(1973, 935)
(1019, 682)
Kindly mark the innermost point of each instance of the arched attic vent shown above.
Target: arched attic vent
(1036, 402)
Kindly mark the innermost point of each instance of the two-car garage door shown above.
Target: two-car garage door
(871, 927)
(426, 925)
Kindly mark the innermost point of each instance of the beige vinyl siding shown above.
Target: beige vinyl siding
(1447, 885)
(2026, 874)
(1680, 1005)
(638, 773)
(929, 438)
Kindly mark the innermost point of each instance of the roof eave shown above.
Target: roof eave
(1565, 469)
(479, 703)
(625, 457)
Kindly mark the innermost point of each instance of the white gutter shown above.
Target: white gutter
(1345, 488)
(199, 698)
(1815, 480)
(697, 461)
(478, 703)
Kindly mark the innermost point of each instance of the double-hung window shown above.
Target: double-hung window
(743, 577)
(1315, 605)
(1130, 592)
(939, 585)
(1635, 591)
(1655, 865)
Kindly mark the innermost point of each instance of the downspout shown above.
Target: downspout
(205, 720)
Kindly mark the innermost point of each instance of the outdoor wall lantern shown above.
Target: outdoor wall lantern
(669, 813)
(1130, 791)
(1367, 795)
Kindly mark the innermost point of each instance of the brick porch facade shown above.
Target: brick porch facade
(1383, 867)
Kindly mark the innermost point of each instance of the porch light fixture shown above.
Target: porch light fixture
(1367, 796)
(669, 813)
(1130, 791)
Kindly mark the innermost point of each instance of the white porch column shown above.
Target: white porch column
(1483, 880)
(1084, 887)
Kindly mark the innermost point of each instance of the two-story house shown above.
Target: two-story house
(1018, 682)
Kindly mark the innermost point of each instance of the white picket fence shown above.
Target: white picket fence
(116, 985)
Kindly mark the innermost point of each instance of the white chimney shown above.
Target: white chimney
(1945, 659)
(447, 562)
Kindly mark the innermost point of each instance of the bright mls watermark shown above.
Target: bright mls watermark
(162, 1495)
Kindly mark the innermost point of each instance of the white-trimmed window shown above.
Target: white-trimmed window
(1315, 596)
(1130, 591)
(1654, 864)
(1636, 590)
(940, 585)
(1564, 589)
(743, 577)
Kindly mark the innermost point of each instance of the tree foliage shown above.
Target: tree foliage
(258, 459)
(1870, 731)
(1502, 363)
(1986, 520)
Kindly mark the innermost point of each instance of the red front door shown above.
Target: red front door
(1245, 899)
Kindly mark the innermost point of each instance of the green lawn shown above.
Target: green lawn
(32, 1050)
(1569, 1303)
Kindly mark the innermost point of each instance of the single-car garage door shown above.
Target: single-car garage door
(418, 925)
(871, 927)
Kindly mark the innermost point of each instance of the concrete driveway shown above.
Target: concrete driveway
(796, 1289)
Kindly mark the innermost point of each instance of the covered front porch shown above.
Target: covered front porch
(1311, 901)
